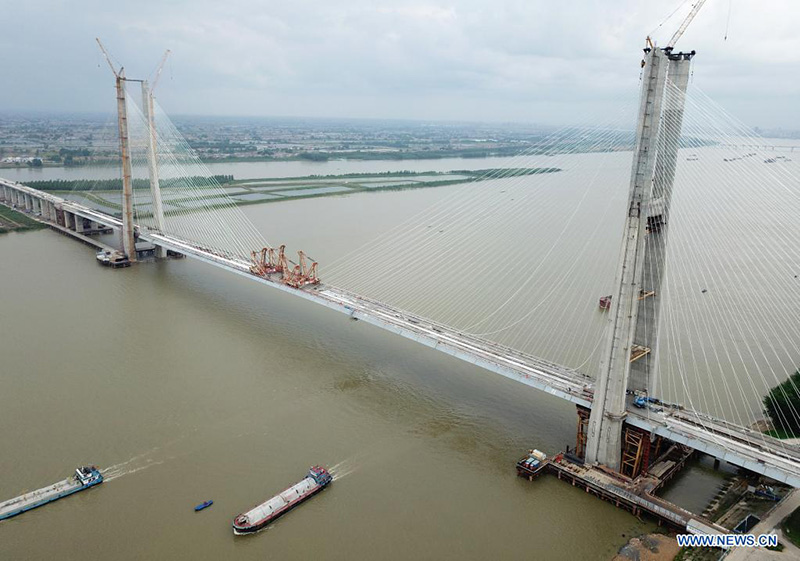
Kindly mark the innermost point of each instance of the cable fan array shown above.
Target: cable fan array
(521, 255)
(522, 260)
(196, 207)
(731, 292)
(519, 259)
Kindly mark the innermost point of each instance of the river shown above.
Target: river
(198, 385)
(192, 384)
(186, 383)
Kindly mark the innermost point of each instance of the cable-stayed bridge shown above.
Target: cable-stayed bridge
(713, 436)
(208, 227)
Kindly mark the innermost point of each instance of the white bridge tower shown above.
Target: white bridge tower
(628, 362)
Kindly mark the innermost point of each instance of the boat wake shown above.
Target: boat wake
(117, 474)
(343, 469)
(137, 463)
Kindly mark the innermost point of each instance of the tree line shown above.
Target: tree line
(116, 184)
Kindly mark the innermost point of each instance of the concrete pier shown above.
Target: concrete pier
(636, 496)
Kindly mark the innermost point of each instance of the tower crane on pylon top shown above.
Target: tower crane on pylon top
(677, 35)
(117, 73)
(159, 69)
(681, 29)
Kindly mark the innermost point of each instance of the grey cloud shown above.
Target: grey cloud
(470, 59)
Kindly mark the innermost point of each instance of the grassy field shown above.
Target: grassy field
(780, 433)
(791, 527)
(105, 195)
(11, 220)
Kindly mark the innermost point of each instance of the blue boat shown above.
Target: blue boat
(201, 506)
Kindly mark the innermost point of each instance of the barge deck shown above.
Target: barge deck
(84, 478)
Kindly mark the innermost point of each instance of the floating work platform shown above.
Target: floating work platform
(634, 495)
(85, 477)
(114, 259)
(532, 465)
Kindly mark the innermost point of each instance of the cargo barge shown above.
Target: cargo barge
(264, 514)
(85, 477)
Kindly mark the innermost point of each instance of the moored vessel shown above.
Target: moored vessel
(262, 515)
(103, 257)
(85, 477)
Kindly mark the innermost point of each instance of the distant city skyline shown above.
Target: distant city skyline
(474, 60)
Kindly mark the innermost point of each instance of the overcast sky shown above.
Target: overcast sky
(487, 60)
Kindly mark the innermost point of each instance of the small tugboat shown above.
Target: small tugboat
(118, 259)
(259, 517)
(203, 505)
(114, 259)
(103, 257)
(85, 477)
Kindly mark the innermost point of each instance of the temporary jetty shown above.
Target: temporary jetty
(635, 495)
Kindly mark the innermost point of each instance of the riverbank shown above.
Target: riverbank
(649, 547)
(13, 221)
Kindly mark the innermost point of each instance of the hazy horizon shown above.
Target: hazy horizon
(508, 62)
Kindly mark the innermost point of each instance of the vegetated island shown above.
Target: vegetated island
(191, 193)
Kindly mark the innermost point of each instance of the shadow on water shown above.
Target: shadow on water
(697, 485)
(415, 388)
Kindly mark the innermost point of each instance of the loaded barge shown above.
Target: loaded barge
(85, 477)
(261, 516)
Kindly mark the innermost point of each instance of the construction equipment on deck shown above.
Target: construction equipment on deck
(268, 261)
(299, 275)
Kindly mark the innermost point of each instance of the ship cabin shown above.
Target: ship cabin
(320, 475)
(87, 475)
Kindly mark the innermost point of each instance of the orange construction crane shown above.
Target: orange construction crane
(276, 261)
(259, 263)
(300, 275)
(268, 261)
(309, 274)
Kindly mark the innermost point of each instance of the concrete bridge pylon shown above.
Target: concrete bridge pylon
(629, 357)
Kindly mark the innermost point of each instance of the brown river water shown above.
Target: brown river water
(186, 383)
(189, 384)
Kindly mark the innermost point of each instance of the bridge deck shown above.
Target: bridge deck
(719, 438)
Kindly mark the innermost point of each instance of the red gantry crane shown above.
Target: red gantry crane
(269, 261)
